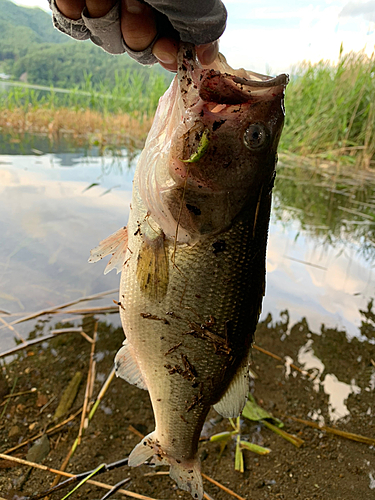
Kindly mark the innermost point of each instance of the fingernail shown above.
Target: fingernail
(209, 54)
(134, 7)
(165, 57)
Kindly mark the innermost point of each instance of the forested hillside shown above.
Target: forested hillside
(29, 44)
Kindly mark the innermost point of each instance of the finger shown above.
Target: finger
(137, 24)
(71, 8)
(208, 52)
(99, 8)
(165, 51)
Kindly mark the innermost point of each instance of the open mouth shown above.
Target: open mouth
(223, 88)
(221, 84)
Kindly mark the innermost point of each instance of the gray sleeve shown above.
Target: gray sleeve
(197, 21)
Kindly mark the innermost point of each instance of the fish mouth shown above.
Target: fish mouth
(220, 84)
(223, 88)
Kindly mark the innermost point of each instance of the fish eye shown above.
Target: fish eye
(255, 136)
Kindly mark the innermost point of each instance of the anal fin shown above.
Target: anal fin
(127, 367)
(234, 399)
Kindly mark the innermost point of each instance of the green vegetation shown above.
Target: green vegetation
(131, 92)
(330, 110)
(32, 47)
(22, 29)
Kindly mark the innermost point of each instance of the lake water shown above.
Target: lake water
(56, 206)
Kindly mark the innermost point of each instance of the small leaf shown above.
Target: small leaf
(253, 411)
(254, 448)
(68, 396)
(298, 442)
(222, 436)
(202, 148)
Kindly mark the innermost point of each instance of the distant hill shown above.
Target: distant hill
(35, 19)
(21, 27)
(31, 46)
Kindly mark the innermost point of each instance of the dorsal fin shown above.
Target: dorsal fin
(117, 245)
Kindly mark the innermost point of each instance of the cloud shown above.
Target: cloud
(356, 9)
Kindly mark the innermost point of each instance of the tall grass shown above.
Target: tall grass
(132, 93)
(330, 110)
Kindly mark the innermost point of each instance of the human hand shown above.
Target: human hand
(139, 28)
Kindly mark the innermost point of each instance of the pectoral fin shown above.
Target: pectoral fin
(127, 367)
(117, 245)
(233, 401)
(152, 267)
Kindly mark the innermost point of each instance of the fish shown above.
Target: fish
(192, 256)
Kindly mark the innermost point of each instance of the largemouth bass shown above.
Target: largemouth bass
(193, 254)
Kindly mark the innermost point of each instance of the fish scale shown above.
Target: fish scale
(193, 254)
(231, 278)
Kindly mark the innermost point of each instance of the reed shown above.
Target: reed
(330, 110)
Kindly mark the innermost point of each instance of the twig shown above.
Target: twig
(11, 392)
(30, 343)
(88, 385)
(86, 337)
(53, 310)
(84, 409)
(207, 496)
(337, 432)
(296, 441)
(90, 310)
(49, 431)
(116, 488)
(8, 325)
(135, 431)
(21, 393)
(77, 477)
(216, 483)
(66, 474)
(63, 466)
(103, 390)
(275, 356)
(224, 488)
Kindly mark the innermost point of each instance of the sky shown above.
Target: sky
(272, 36)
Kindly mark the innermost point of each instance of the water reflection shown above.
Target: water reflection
(341, 369)
(321, 246)
(49, 221)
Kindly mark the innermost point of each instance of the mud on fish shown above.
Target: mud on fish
(192, 256)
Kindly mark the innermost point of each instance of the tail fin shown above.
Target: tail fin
(186, 473)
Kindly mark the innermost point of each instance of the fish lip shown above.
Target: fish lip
(224, 88)
(221, 84)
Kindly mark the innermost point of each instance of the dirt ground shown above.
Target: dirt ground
(325, 467)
